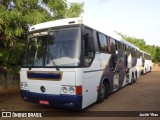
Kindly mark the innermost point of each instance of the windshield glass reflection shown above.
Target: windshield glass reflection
(60, 47)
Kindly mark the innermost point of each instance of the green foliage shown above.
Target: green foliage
(74, 10)
(59, 8)
(157, 54)
(140, 43)
(15, 15)
(12, 57)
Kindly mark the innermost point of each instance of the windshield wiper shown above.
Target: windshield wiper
(55, 65)
(33, 64)
(50, 55)
(53, 62)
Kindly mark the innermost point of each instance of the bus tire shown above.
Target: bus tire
(103, 92)
(132, 79)
(141, 72)
(150, 69)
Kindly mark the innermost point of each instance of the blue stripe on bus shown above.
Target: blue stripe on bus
(58, 101)
(43, 75)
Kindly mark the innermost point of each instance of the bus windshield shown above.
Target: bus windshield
(60, 47)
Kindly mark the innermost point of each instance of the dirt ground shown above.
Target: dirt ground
(144, 95)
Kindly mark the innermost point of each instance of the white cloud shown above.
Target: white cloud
(102, 1)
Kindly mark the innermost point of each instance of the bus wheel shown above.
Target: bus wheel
(102, 93)
(135, 78)
(142, 72)
(145, 71)
(150, 69)
(132, 80)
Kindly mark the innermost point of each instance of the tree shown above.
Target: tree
(74, 10)
(15, 15)
(140, 43)
(157, 54)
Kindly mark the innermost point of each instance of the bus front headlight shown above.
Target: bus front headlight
(64, 89)
(71, 90)
(24, 86)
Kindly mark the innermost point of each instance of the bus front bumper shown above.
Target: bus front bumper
(58, 101)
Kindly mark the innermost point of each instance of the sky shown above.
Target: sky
(135, 18)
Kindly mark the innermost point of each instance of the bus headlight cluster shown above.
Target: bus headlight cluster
(24, 86)
(71, 90)
(68, 90)
(64, 90)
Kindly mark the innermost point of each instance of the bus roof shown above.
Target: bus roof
(72, 21)
(129, 44)
(144, 52)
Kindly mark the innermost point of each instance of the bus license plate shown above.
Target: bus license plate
(44, 102)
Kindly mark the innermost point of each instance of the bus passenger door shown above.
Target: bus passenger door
(117, 65)
(113, 63)
(121, 66)
(91, 69)
(114, 69)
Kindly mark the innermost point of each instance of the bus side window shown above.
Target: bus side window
(127, 49)
(88, 47)
(132, 52)
(113, 46)
(138, 55)
(108, 43)
(102, 42)
(89, 41)
(147, 57)
(120, 50)
(116, 46)
(123, 48)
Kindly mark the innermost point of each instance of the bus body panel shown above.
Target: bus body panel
(52, 86)
(98, 72)
(91, 78)
(59, 101)
(53, 93)
(147, 66)
(146, 62)
(139, 66)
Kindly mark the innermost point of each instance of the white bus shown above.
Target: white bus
(146, 62)
(134, 62)
(71, 63)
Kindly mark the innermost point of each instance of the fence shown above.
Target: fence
(9, 81)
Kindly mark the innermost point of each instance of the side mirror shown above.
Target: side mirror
(87, 61)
